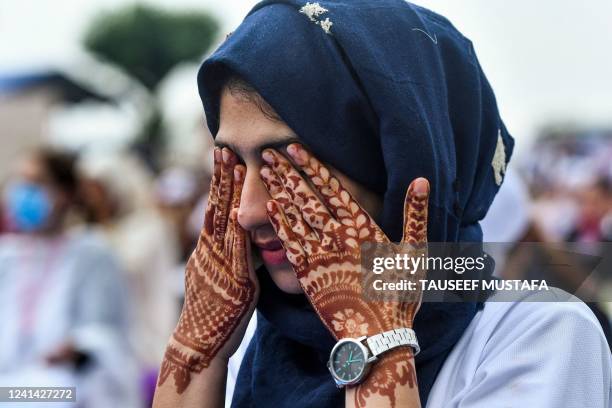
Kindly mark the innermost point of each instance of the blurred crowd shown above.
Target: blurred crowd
(92, 252)
(553, 215)
(570, 179)
(93, 247)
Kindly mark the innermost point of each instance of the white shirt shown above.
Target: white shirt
(528, 354)
(54, 290)
(233, 365)
(519, 354)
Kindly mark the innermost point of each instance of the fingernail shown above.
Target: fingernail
(265, 171)
(237, 174)
(270, 206)
(420, 187)
(217, 155)
(267, 156)
(226, 155)
(297, 154)
(292, 149)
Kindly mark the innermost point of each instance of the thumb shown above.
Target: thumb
(415, 212)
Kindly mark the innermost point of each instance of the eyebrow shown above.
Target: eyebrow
(279, 144)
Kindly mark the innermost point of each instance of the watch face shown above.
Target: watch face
(348, 361)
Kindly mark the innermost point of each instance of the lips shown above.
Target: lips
(272, 252)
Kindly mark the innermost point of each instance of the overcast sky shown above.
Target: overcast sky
(548, 60)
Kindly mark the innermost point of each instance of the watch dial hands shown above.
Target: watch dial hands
(349, 360)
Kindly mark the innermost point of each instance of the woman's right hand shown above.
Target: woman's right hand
(221, 288)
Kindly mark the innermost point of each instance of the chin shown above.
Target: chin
(284, 277)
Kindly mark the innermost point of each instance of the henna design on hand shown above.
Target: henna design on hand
(321, 228)
(218, 286)
(392, 370)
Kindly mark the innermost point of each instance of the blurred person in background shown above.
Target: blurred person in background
(62, 300)
(119, 193)
(592, 232)
(594, 222)
(177, 190)
(509, 233)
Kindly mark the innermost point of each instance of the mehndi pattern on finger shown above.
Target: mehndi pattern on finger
(218, 289)
(329, 270)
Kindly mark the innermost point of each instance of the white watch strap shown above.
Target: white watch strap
(391, 339)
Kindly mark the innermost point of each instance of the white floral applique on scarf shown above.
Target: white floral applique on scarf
(499, 160)
(313, 11)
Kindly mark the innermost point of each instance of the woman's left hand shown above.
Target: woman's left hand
(322, 238)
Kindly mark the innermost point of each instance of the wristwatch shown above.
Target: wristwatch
(351, 359)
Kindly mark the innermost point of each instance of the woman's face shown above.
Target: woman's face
(246, 130)
(30, 171)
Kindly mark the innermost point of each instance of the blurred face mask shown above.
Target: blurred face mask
(28, 206)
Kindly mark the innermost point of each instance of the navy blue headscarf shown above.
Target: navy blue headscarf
(385, 91)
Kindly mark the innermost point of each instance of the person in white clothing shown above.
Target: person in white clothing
(536, 352)
(63, 304)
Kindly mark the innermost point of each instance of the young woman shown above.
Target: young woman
(339, 123)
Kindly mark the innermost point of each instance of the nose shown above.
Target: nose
(252, 211)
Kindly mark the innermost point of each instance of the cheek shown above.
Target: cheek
(285, 279)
